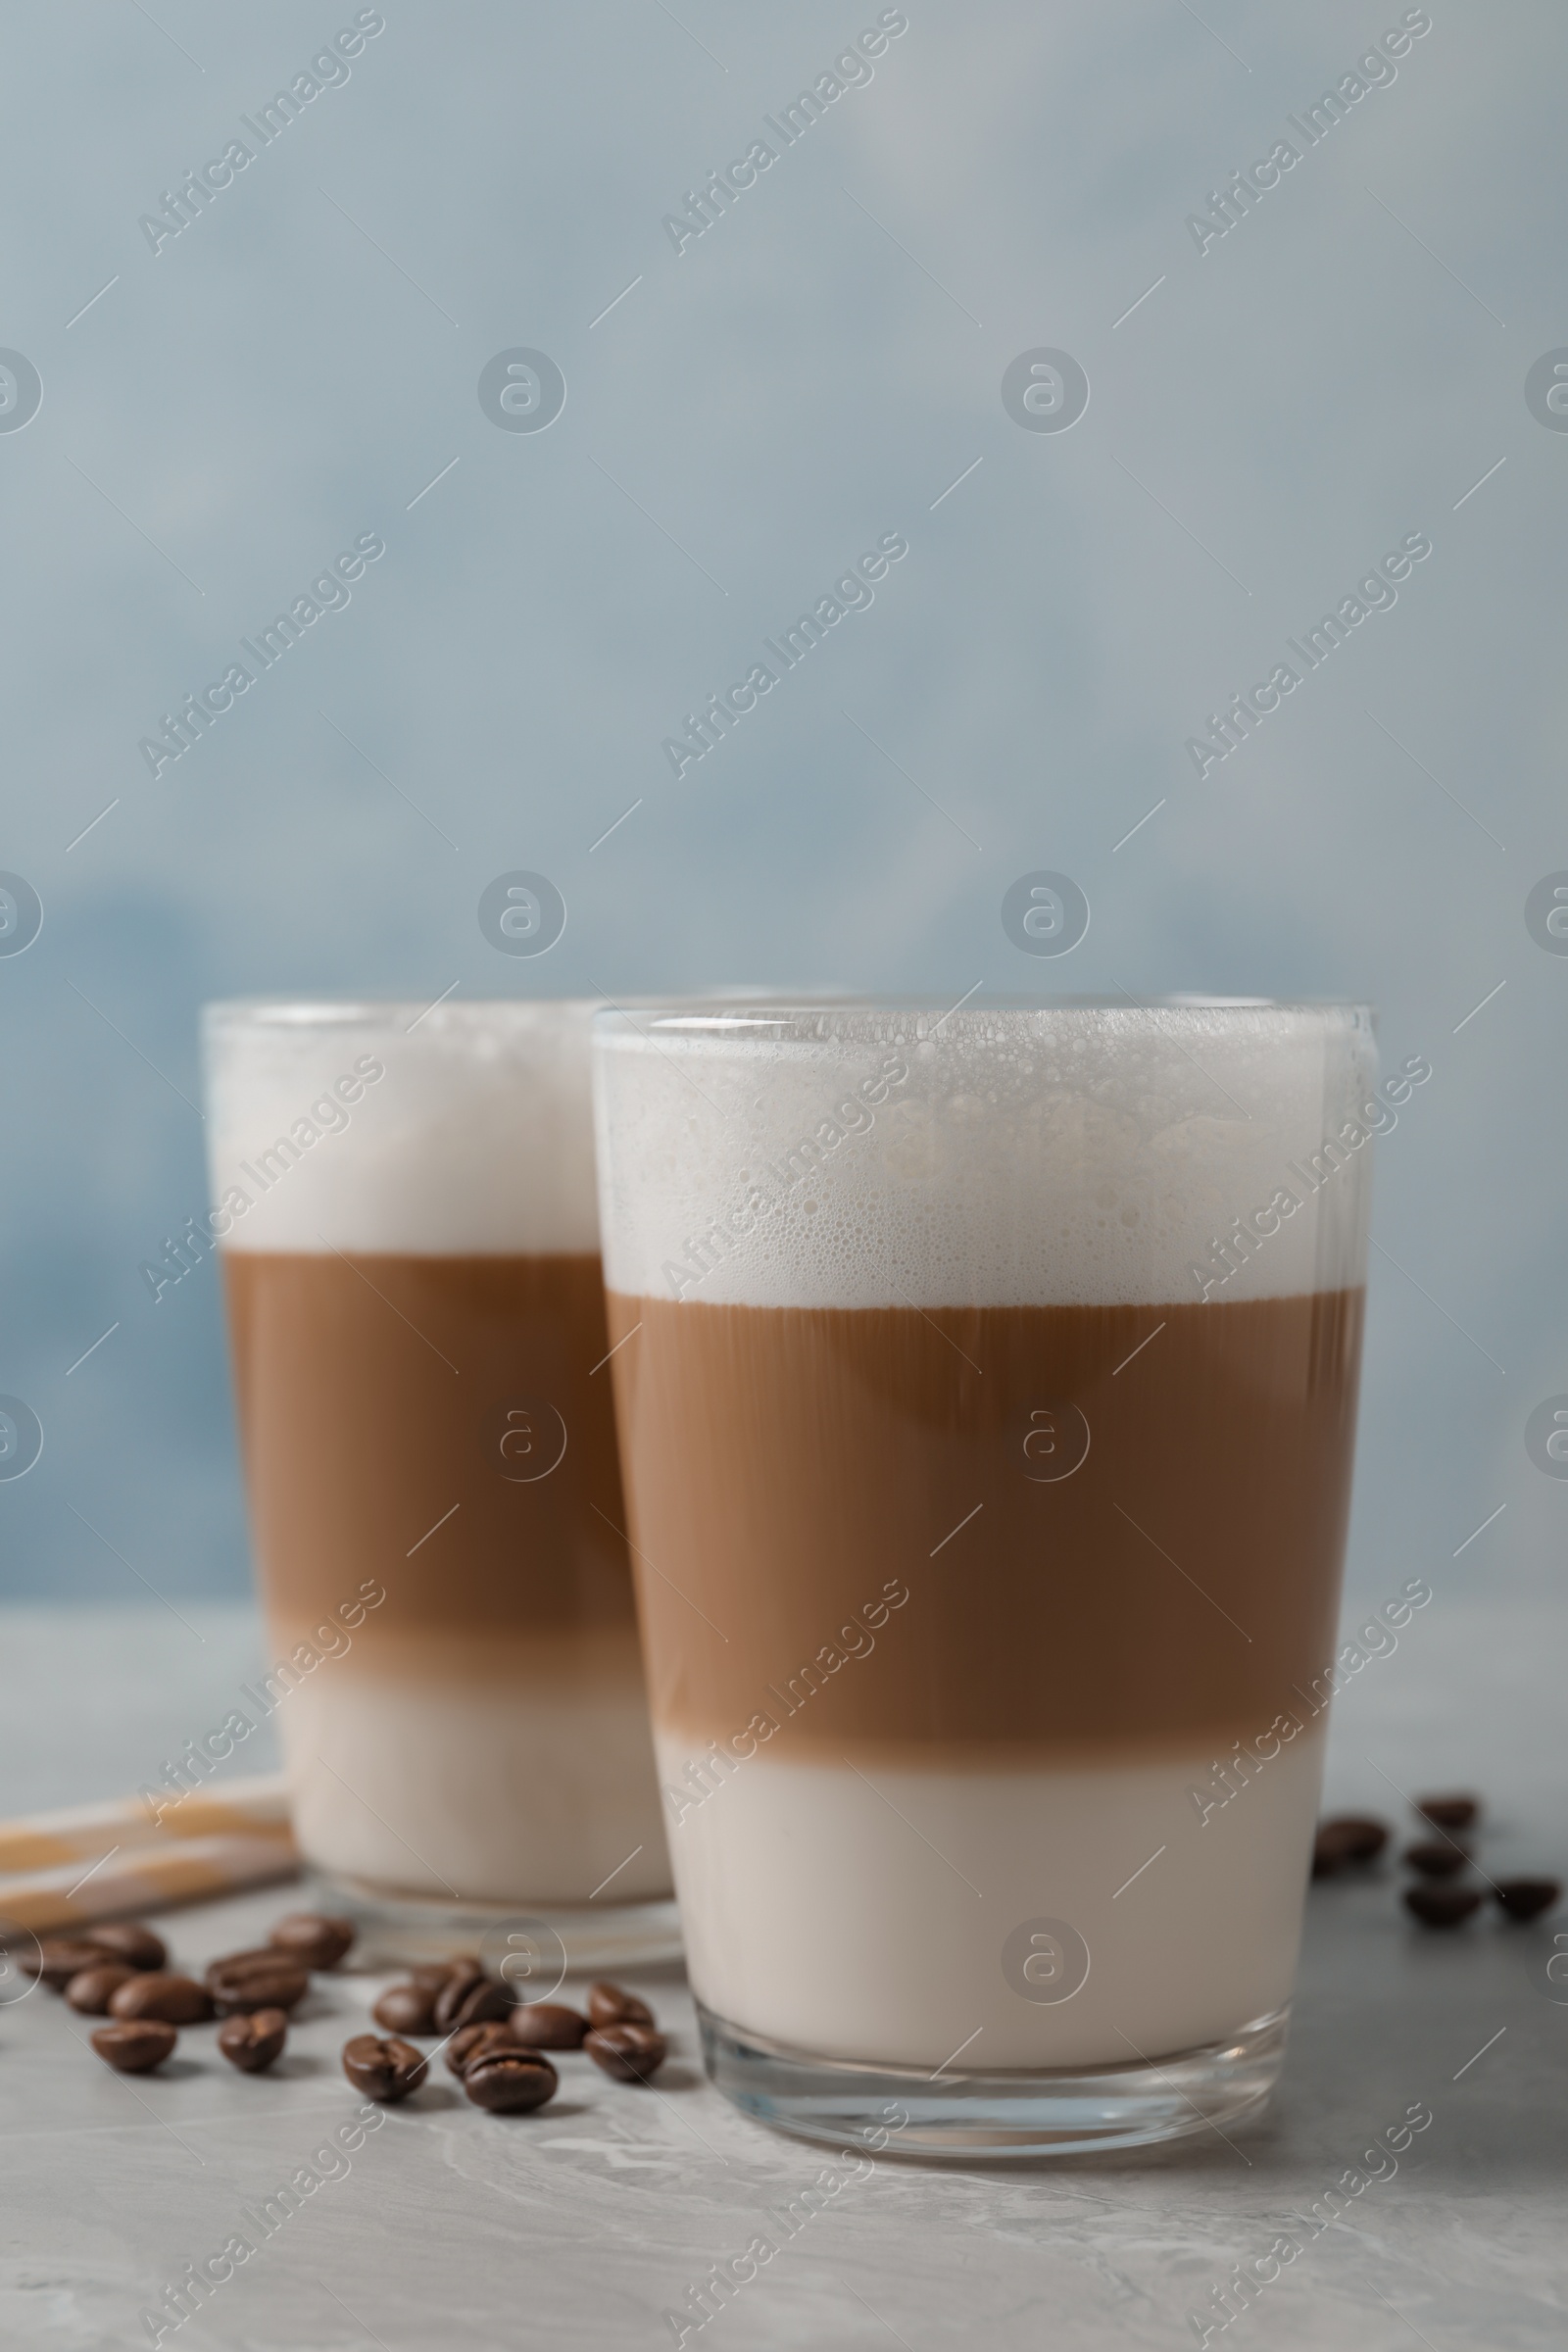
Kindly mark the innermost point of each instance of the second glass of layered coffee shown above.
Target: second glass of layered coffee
(410, 1244)
(986, 1382)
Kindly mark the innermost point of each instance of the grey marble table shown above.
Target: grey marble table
(585, 2225)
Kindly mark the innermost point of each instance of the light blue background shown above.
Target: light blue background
(812, 372)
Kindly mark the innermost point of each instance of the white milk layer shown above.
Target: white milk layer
(464, 1130)
(1053, 1155)
(484, 1790)
(878, 1917)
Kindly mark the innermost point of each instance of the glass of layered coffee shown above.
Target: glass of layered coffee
(404, 1203)
(986, 1382)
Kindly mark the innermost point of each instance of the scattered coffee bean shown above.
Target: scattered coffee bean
(90, 1988)
(135, 2045)
(383, 2070)
(470, 1997)
(1526, 1898)
(407, 2008)
(455, 1987)
(258, 1960)
(628, 2053)
(1449, 1812)
(259, 1980)
(1438, 1905)
(613, 2005)
(129, 1943)
(1437, 1857)
(1347, 1838)
(312, 1941)
(59, 1958)
(469, 2043)
(509, 2080)
(547, 2026)
(172, 2000)
(284, 1989)
(251, 2041)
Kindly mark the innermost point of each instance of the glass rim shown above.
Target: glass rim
(345, 1012)
(805, 1018)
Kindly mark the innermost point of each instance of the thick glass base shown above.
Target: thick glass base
(961, 2117)
(534, 1949)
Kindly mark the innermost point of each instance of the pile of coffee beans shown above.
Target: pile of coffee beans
(122, 1972)
(495, 2045)
(1442, 1896)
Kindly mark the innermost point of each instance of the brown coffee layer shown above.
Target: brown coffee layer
(587, 1660)
(790, 1470)
(380, 1396)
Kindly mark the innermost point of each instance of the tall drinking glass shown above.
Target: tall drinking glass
(410, 1244)
(986, 1384)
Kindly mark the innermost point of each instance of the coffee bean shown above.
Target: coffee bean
(1344, 1839)
(261, 1979)
(628, 2053)
(1437, 1857)
(128, 1941)
(383, 2070)
(407, 2008)
(281, 1988)
(59, 1958)
(613, 2005)
(482, 2002)
(470, 2041)
(134, 2046)
(1523, 1898)
(312, 1941)
(471, 1998)
(453, 1990)
(251, 2043)
(172, 2000)
(1441, 1906)
(509, 2080)
(90, 1988)
(547, 2026)
(1449, 1812)
(262, 1959)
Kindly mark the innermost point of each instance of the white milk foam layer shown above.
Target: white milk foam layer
(464, 1130)
(1051, 1156)
(493, 1793)
(814, 1916)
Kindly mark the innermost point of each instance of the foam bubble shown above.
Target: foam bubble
(1067, 1153)
(466, 1130)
